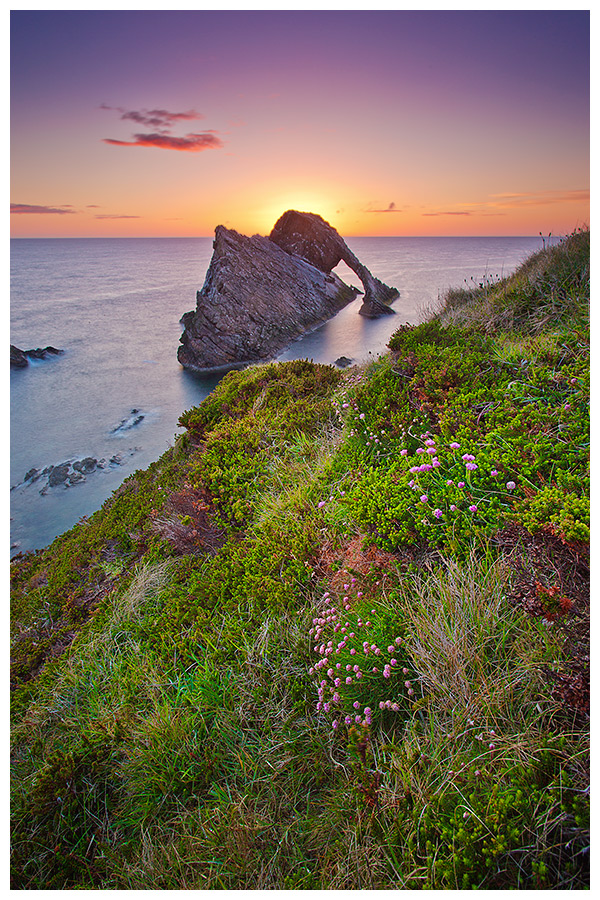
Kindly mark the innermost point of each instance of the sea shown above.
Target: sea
(114, 396)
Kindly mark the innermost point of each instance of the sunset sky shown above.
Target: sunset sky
(143, 123)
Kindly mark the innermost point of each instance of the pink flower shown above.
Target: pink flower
(461, 484)
(473, 508)
(454, 445)
(510, 485)
(321, 504)
(423, 498)
(438, 513)
(471, 466)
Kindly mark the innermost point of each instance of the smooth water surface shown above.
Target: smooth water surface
(114, 307)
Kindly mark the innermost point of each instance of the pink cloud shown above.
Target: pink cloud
(192, 143)
(26, 208)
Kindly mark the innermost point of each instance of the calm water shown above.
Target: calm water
(114, 306)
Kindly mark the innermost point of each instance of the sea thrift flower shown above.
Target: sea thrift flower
(454, 445)
(494, 472)
(461, 484)
(420, 450)
(473, 508)
(404, 453)
(471, 466)
(438, 513)
(321, 504)
(510, 485)
(453, 507)
(423, 498)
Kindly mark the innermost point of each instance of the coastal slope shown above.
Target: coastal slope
(337, 637)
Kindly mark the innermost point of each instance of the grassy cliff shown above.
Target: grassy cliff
(337, 636)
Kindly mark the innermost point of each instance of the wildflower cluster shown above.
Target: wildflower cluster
(361, 669)
(431, 492)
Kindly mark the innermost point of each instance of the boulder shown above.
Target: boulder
(85, 465)
(18, 359)
(58, 474)
(262, 293)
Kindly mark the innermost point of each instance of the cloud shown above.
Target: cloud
(538, 198)
(161, 121)
(192, 143)
(26, 208)
(115, 216)
(391, 208)
(448, 213)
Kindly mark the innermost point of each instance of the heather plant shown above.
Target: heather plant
(435, 494)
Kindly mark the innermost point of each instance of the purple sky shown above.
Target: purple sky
(157, 123)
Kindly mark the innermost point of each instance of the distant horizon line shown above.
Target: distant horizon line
(188, 237)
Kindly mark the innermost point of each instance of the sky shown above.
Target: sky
(167, 124)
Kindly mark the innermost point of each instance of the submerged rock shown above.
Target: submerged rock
(262, 293)
(133, 419)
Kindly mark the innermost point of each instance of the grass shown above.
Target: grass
(268, 663)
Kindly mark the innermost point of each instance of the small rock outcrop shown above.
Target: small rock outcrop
(20, 358)
(262, 293)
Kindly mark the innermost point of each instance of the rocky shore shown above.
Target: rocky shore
(19, 359)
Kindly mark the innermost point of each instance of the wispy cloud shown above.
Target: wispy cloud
(538, 198)
(391, 208)
(27, 209)
(192, 143)
(450, 212)
(162, 122)
(154, 118)
(114, 216)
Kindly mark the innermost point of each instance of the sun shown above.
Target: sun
(303, 201)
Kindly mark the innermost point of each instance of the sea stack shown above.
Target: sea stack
(262, 293)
